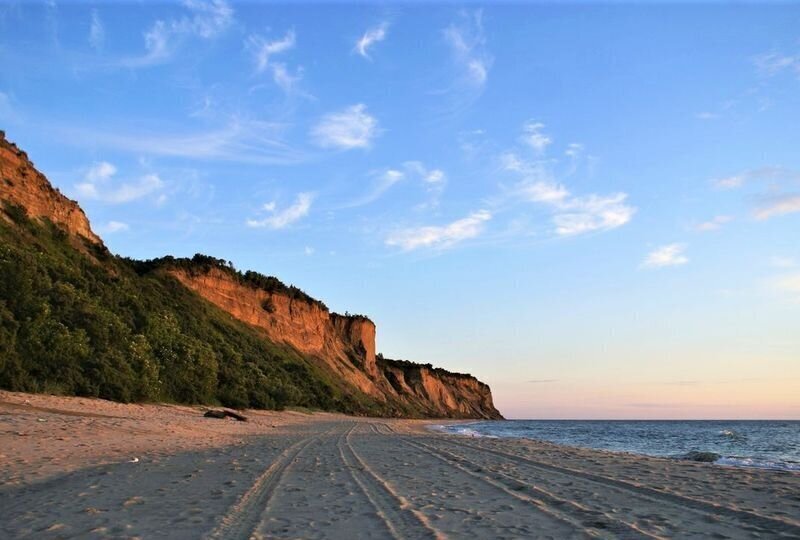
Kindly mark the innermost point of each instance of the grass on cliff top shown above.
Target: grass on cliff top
(108, 327)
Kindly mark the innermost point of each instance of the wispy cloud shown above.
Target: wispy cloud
(433, 180)
(668, 255)
(97, 32)
(774, 63)
(580, 215)
(100, 171)
(771, 174)
(240, 140)
(777, 205)
(706, 115)
(542, 381)
(263, 50)
(713, 224)
(99, 185)
(350, 128)
(467, 41)
(572, 214)
(779, 187)
(370, 38)
(113, 227)
(441, 236)
(533, 136)
(280, 219)
(206, 20)
(384, 180)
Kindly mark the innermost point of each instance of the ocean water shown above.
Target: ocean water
(741, 443)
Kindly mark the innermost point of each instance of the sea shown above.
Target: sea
(767, 444)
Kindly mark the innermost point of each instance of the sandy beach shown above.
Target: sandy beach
(81, 468)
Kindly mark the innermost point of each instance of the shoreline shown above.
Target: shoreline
(321, 475)
(710, 452)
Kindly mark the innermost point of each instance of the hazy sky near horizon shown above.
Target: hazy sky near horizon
(593, 208)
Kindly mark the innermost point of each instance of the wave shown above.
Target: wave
(753, 463)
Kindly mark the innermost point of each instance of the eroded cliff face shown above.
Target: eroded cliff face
(23, 185)
(345, 345)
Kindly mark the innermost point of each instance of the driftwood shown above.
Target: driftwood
(225, 413)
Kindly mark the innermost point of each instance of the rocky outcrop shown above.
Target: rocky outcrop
(345, 345)
(440, 393)
(22, 185)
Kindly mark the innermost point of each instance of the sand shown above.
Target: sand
(81, 468)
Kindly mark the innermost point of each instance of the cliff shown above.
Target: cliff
(21, 184)
(187, 330)
(344, 344)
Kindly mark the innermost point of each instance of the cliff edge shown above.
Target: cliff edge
(22, 185)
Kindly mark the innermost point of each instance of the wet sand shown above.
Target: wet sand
(79, 468)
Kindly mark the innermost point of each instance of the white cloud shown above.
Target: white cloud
(713, 224)
(100, 171)
(468, 44)
(534, 137)
(545, 192)
(263, 50)
(574, 150)
(432, 177)
(763, 174)
(581, 215)
(283, 218)
(97, 32)
(668, 255)
(778, 206)
(207, 20)
(441, 236)
(577, 215)
(350, 128)
(370, 38)
(97, 186)
(114, 227)
(572, 214)
(308, 251)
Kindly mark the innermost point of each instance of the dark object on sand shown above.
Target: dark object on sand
(703, 457)
(224, 413)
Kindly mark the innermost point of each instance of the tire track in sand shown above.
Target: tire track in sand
(401, 519)
(242, 519)
(748, 518)
(591, 522)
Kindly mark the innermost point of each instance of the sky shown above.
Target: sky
(594, 208)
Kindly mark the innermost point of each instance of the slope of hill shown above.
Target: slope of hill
(76, 319)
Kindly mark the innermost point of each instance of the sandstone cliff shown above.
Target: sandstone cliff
(21, 184)
(345, 345)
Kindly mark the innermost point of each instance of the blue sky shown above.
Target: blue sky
(594, 208)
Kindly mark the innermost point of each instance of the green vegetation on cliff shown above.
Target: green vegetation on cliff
(85, 322)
